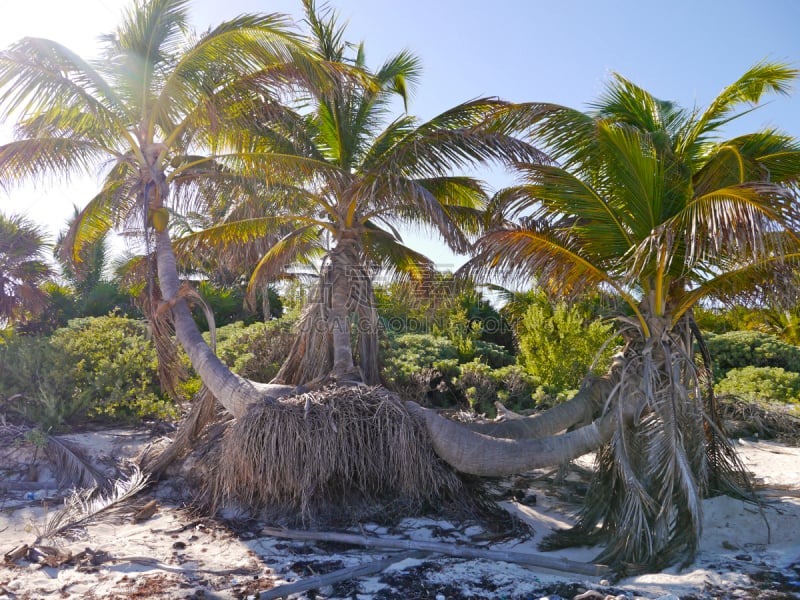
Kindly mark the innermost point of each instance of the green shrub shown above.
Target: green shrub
(478, 386)
(98, 367)
(426, 367)
(761, 384)
(37, 382)
(255, 351)
(739, 349)
(558, 347)
(114, 368)
(408, 352)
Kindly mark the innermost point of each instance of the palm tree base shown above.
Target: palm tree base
(336, 453)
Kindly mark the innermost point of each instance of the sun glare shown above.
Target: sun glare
(75, 24)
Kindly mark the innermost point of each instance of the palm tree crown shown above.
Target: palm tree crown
(643, 197)
(156, 114)
(356, 177)
(23, 269)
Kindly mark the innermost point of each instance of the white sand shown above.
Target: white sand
(176, 555)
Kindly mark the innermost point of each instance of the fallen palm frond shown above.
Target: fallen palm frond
(329, 449)
(70, 463)
(86, 506)
(72, 466)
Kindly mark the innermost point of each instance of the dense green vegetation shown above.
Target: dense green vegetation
(96, 368)
(103, 369)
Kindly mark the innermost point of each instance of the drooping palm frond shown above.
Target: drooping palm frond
(71, 465)
(393, 258)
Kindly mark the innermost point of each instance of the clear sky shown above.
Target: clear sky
(521, 50)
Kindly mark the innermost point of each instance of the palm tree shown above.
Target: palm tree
(158, 96)
(23, 269)
(646, 200)
(365, 178)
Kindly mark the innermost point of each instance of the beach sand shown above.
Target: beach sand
(746, 551)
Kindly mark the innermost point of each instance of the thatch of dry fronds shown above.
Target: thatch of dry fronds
(329, 452)
(748, 418)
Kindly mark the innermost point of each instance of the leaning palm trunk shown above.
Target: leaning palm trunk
(234, 393)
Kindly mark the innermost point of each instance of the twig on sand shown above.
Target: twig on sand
(362, 570)
(523, 558)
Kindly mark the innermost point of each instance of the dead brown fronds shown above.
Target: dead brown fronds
(745, 418)
(329, 452)
(202, 412)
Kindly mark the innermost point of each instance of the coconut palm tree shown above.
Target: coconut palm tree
(157, 98)
(366, 176)
(23, 269)
(646, 200)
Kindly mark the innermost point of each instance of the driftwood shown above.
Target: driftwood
(319, 581)
(523, 558)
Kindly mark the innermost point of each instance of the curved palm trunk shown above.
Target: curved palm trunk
(580, 409)
(234, 392)
(479, 454)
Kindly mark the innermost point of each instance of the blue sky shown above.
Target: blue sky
(521, 50)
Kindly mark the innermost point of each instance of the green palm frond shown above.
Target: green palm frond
(35, 73)
(116, 203)
(35, 159)
(304, 244)
(762, 78)
(738, 220)
(393, 257)
(553, 255)
(626, 103)
(770, 281)
(551, 192)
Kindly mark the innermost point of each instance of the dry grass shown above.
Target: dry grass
(330, 452)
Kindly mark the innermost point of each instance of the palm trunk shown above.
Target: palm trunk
(477, 454)
(580, 409)
(337, 295)
(234, 393)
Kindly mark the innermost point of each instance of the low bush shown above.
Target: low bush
(558, 347)
(37, 383)
(739, 349)
(255, 351)
(115, 368)
(761, 384)
(426, 368)
(99, 367)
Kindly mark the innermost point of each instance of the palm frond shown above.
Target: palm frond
(72, 467)
(762, 78)
(87, 506)
(303, 242)
(34, 160)
(394, 258)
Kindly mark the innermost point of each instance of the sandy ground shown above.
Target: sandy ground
(746, 552)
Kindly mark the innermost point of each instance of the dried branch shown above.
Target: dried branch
(523, 558)
(345, 574)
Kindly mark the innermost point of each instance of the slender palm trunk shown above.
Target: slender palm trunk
(337, 294)
(324, 343)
